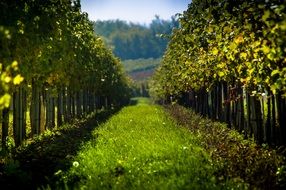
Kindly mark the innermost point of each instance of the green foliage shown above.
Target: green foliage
(134, 41)
(11, 167)
(142, 148)
(54, 46)
(241, 42)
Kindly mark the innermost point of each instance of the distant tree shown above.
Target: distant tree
(134, 41)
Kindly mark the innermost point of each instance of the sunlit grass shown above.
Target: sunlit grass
(140, 100)
(142, 148)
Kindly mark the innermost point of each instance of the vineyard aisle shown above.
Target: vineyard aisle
(141, 147)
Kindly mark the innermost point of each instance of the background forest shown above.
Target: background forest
(135, 41)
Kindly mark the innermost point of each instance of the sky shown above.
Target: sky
(137, 11)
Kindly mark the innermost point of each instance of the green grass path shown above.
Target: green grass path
(141, 147)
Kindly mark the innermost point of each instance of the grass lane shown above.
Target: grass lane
(142, 148)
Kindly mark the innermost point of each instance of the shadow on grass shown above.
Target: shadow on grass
(34, 166)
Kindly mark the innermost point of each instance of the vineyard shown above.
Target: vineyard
(227, 61)
(215, 118)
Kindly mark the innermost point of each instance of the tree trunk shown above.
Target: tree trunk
(273, 124)
(256, 119)
(249, 126)
(88, 101)
(241, 110)
(196, 102)
(64, 105)
(5, 127)
(35, 109)
(226, 104)
(268, 122)
(59, 109)
(91, 102)
(50, 112)
(105, 102)
(73, 114)
(68, 110)
(213, 103)
(19, 116)
(84, 101)
(97, 103)
(43, 111)
(206, 103)
(53, 112)
(78, 105)
(281, 118)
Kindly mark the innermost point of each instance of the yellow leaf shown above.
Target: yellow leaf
(14, 64)
(256, 43)
(18, 79)
(5, 101)
(283, 25)
(243, 80)
(210, 29)
(221, 74)
(7, 79)
(266, 15)
(227, 29)
(215, 51)
(271, 56)
(239, 39)
(243, 55)
(239, 68)
(252, 35)
(232, 46)
(267, 80)
(275, 72)
(265, 49)
(221, 65)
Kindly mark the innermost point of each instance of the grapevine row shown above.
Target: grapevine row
(52, 63)
(228, 62)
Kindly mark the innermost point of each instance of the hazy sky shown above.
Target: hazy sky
(142, 11)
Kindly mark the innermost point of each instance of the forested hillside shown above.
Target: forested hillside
(135, 41)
